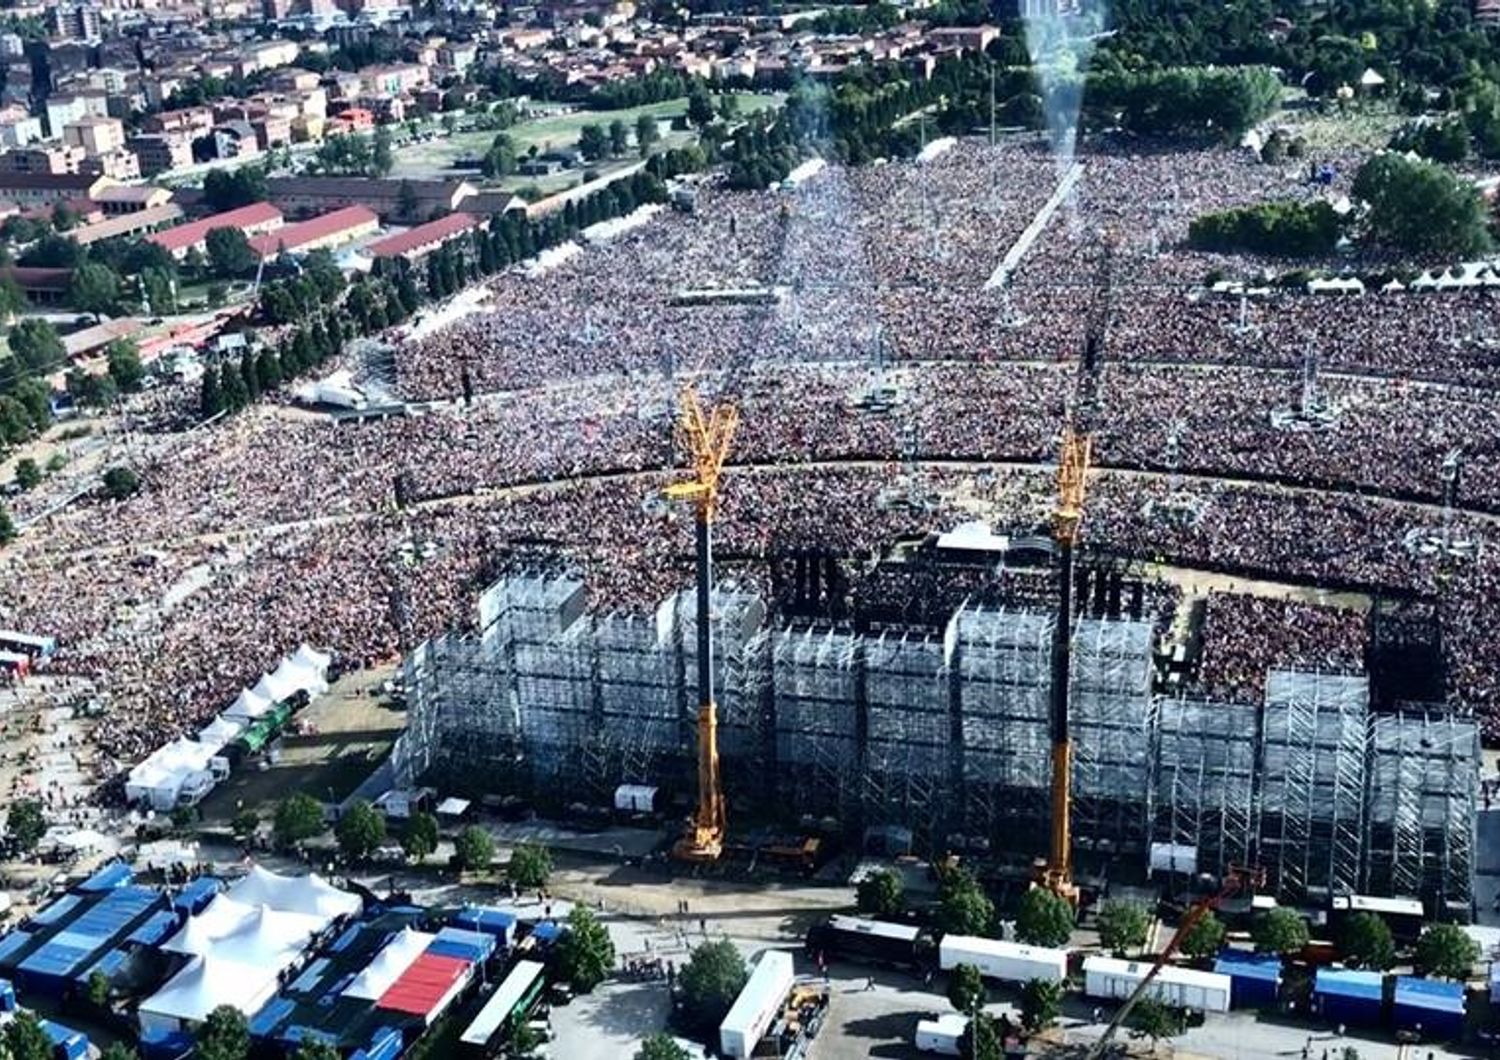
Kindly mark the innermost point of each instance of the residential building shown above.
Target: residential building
(46, 157)
(191, 122)
(272, 130)
(235, 139)
(33, 189)
(17, 128)
(330, 230)
(73, 22)
(119, 164)
(266, 55)
(416, 243)
(96, 136)
(160, 152)
(400, 200)
(253, 220)
(63, 111)
(392, 80)
(149, 219)
(1487, 11)
(132, 198)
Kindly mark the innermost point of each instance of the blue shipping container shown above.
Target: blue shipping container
(1254, 978)
(1344, 996)
(1437, 1008)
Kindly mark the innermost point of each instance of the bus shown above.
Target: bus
(506, 1009)
(38, 649)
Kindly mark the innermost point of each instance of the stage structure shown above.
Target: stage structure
(944, 730)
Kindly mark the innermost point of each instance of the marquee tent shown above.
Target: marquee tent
(249, 704)
(309, 895)
(206, 983)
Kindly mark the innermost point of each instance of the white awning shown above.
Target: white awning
(394, 958)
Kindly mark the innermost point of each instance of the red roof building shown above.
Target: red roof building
(422, 240)
(332, 229)
(253, 220)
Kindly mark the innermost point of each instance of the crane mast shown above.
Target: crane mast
(1067, 516)
(706, 437)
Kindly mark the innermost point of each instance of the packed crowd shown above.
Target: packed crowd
(1246, 636)
(270, 529)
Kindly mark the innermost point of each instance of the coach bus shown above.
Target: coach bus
(37, 649)
(506, 1009)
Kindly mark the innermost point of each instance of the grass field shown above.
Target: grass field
(558, 130)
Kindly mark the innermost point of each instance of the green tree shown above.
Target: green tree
(881, 893)
(1122, 927)
(966, 990)
(700, 111)
(529, 866)
(963, 907)
(382, 160)
(35, 396)
(592, 142)
(647, 134)
(1420, 207)
(229, 252)
(223, 1035)
(298, 817)
(25, 1039)
(38, 345)
(661, 1046)
(585, 953)
(1155, 1020)
(1041, 1003)
(28, 474)
(225, 190)
(7, 526)
(120, 482)
(210, 397)
(183, 818)
(245, 824)
(981, 1039)
(98, 988)
(1279, 931)
(119, 1051)
(619, 138)
(1446, 951)
(1044, 919)
(474, 849)
(311, 1050)
(710, 981)
(158, 288)
(125, 366)
(94, 289)
(420, 839)
(406, 201)
(1364, 941)
(89, 389)
(1205, 938)
(360, 830)
(500, 159)
(524, 1041)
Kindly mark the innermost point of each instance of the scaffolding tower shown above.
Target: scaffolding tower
(1001, 662)
(1110, 714)
(907, 774)
(1312, 794)
(1205, 781)
(814, 677)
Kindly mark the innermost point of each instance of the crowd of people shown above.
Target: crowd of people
(883, 392)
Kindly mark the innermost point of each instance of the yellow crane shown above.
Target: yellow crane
(1067, 516)
(706, 436)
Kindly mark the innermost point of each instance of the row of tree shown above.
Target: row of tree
(1290, 229)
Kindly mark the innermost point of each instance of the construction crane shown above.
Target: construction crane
(1067, 516)
(706, 436)
(1238, 878)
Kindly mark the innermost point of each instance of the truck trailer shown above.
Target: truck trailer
(1009, 962)
(758, 1005)
(1106, 977)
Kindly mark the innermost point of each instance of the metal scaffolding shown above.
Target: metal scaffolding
(1312, 791)
(1424, 766)
(1002, 666)
(950, 736)
(1110, 713)
(907, 773)
(814, 678)
(1205, 780)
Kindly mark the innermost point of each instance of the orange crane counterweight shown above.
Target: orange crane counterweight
(706, 438)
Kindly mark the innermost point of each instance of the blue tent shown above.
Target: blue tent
(67, 1044)
(1438, 1008)
(115, 874)
(465, 945)
(490, 921)
(1345, 996)
(1254, 978)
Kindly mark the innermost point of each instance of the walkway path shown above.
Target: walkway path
(1013, 257)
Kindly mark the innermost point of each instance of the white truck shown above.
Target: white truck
(940, 1034)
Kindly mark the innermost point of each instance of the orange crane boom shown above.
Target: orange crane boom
(706, 436)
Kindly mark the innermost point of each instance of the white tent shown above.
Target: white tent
(249, 704)
(162, 776)
(253, 934)
(221, 732)
(302, 678)
(398, 955)
(311, 895)
(1348, 285)
(204, 985)
(276, 689)
(1370, 78)
(312, 659)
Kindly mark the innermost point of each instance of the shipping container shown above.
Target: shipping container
(1107, 977)
(1255, 978)
(758, 1005)
(941, 1035)
(871, 941)
(1434, 1008)
(1344, 996)
(1010, 962)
